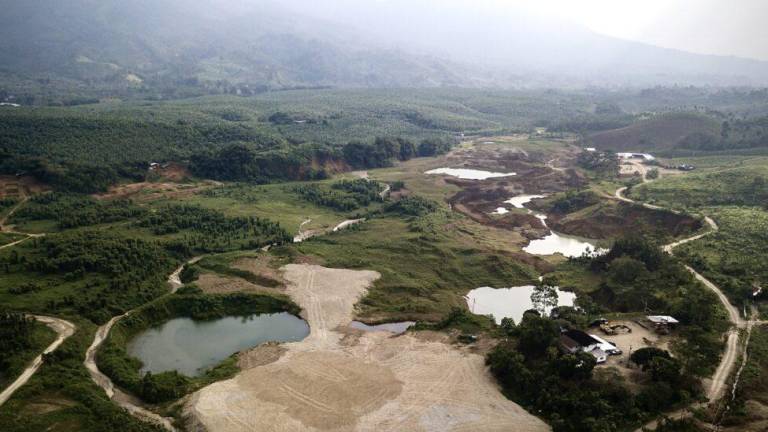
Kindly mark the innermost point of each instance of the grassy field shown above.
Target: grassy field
(735, 257)
(275, 202)
(422, 276)
(742, 184)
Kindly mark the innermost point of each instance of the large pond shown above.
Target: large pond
(509, 302)
(469, 174)
(191, 347)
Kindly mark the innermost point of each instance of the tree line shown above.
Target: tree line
(239, 162)
(344, 195)
(76, 210)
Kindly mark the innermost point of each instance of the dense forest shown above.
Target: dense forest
(17, 337)
(206, 230)
(308, 162)
(95, 274)
(344, 195)
(75, 210)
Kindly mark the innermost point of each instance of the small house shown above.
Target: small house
(573, 341)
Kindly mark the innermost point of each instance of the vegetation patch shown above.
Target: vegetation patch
(734, 257)
(74, 210)
(95, 274)
(206, 230)
(741, 186)
(345, 195)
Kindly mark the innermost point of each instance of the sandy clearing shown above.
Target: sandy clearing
(373, 382)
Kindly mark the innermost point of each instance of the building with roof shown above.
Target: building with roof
(573, 341)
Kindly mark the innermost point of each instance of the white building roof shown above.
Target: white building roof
(604, 344)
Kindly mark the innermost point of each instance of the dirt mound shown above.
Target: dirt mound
(373, 382)
(610, 219)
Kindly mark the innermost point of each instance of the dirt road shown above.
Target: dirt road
(125, 401)
(338, 379)
(718, 383)
(64, 329)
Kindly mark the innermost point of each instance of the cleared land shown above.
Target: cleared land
(340, 380)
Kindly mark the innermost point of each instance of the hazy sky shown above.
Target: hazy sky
(724, 27)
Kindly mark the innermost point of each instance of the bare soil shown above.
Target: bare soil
(610, 219)
(149, 191)
(262, 265)
(20, 187)
(174, 172)
(216, 284)
(368, 382)
(261, 355)
(640, 337)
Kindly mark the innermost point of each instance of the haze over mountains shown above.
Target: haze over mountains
(270, 45)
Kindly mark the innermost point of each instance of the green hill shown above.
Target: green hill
(662, 132)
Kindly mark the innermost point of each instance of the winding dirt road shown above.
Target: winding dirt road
(64, 329)
(125, 401)
(718, 383)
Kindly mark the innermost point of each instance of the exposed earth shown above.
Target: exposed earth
(338, 379)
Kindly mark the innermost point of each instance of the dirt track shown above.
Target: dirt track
(718, 383)
(340, 380)
(64, 329)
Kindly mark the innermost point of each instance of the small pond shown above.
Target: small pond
(395, 327)
(569, 246)
(521, 200)
(509, 302)
(191, 347)
(469, 174)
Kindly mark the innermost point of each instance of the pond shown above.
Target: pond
(509, 302)
(191, 347)
(469, 174)
(521, 200)
(569, 246)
